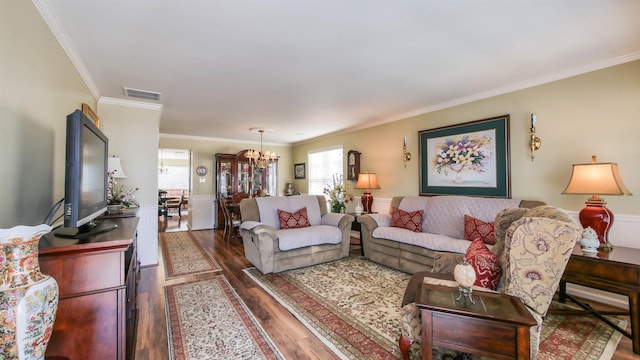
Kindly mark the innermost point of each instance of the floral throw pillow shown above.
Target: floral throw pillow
(298, 219)
(410, 220)
(476, 228)
(485, 263)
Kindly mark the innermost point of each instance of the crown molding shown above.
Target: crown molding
(50, 18)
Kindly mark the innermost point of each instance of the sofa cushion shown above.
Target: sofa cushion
(410, 220)
(289, 239)
(294, 220)
(435, 242)
(485, 263)
(476, 228)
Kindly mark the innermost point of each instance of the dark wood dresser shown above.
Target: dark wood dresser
(97, 276)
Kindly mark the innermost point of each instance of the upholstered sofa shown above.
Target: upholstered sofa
(440, 244)
(275, 237)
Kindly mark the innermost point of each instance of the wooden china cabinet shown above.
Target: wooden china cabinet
(236, 179)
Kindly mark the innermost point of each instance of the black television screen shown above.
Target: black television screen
(85, 189)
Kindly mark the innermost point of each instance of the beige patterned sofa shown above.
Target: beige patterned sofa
(533, 247)
(441, 243)
(272, 249)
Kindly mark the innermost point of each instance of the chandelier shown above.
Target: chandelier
(162, 170)
(259, 159)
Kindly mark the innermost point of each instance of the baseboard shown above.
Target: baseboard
(603, 297)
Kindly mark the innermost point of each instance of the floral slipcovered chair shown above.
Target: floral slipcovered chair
(533, 247)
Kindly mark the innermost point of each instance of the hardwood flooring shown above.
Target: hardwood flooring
(293, 339)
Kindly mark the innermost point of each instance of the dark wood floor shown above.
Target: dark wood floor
(289, 335)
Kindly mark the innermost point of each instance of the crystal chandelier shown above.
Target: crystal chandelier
(259, 159)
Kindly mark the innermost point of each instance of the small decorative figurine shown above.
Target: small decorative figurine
(465, 276)
(358, 209)
(589, 242)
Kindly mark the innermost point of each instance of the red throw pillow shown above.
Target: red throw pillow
(485, 263)
(475, 228)
(410, 220)
(298, 219)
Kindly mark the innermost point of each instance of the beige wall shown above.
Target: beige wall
(132, 129)
(592, 114)
(39, 87)
(204, 150)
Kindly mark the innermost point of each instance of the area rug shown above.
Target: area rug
(206, 319)
(353, 306)
(184, 256)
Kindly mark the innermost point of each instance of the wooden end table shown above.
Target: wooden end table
(616, 271)
(497, 325)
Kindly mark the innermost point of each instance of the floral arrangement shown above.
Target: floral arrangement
(469, 152)
(117, 195)
(338, 196)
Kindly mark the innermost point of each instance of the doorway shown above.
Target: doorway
(174, 188)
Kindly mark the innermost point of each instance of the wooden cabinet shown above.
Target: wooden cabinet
(236, 179)
(98, 277)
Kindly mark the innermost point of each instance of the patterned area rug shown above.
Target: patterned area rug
(207, 320)
(353, 306)
(184, 256)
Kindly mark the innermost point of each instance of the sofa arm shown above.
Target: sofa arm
(339, 220)
(260, 242)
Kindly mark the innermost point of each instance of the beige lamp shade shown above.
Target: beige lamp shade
(367, 181)
(596, 179)
(114, 165)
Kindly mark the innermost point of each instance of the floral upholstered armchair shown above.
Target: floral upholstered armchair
(533, 247)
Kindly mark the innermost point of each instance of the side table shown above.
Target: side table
(616, 271)
(355, 226)
(497, 325)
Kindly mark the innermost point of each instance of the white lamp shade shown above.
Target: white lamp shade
(598, 178)
(367, 181)
(115, 167)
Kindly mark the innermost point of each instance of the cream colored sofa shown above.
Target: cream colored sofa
(441, 243)
(272, 249)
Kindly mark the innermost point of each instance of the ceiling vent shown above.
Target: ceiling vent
(141, 94)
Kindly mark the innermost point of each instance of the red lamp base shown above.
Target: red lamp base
(599, 218)
(367, 201)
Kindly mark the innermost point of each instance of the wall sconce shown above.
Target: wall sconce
(534, 142)
(406, 156)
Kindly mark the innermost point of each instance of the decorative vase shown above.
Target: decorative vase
(28, 298)
(589, 243)
(114, 209)
(457, 169)
(337, 207)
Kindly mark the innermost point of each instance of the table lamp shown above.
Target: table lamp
(596, 179)
(114, 167)
(367, 181)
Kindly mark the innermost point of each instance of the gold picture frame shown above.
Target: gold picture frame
(86, 110)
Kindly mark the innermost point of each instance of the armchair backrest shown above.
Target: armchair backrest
(534, 252)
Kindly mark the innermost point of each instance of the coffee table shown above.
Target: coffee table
(497, 325)
(616, 271)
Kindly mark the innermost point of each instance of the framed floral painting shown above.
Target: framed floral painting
(471, 158)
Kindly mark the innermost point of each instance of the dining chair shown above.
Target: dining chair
(231, 222)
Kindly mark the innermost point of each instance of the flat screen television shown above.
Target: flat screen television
(85, 187)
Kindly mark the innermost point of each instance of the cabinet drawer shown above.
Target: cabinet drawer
(82, 273)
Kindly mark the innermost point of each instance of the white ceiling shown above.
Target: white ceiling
(306, 68)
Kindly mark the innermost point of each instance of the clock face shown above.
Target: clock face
(201, 170)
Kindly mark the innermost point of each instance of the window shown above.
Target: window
(323, 165)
